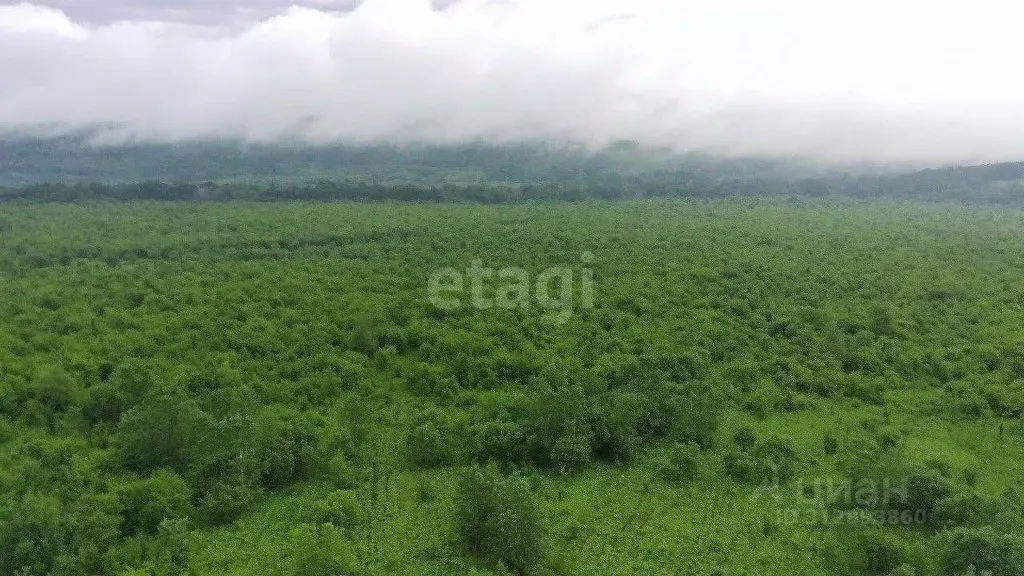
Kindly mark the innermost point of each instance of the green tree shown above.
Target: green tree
(150, 501)
(498, 519)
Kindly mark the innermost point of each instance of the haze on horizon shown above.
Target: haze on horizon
(848, 81)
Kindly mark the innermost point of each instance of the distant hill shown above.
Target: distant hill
(72, 159)
(205, 170)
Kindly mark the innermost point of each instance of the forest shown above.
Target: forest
(799, 384)
(70, 169)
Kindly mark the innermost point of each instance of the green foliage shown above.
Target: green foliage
(224, 502)
(431, 442)
(161, 432)
(885, 553)
(498, 519)
(236, 363)
(172, 546)
(962, 549)
(30, 535)
(571, 451)
(342, 473)
(963, 508)
(681, 465)
(322, 550)
(341, 509)
(830, 444)
(745, 438)
(741, 467)
(503, 442)
(150, 501)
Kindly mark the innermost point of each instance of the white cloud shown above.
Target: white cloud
(918, 81)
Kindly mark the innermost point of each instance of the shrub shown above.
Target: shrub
(365, 336)
(962, 549)
(133, 379)
(964, 508)
(502, 442)
(968, 402)
(161, 432)
(30, 535)
(745, 438)
(341, 509)
(288, 448)
(342, 473)
(829, 444)
(884, 552)
(695, 418)
(148, 502)
(429, 446)
(171, 547)
(571, 451)
(428, 380)
(778, 455)
(880, 320)
(498, 520)
(681, 465)
(104, 403)
(925, 488)
(615, 425)
(741, 467)
(55, 389)
(322, 550)
(223, 503)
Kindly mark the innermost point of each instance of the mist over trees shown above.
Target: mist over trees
(66, 170)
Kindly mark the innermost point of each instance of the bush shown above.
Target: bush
(342, 473)
(104, 403)
(571, 452)
(288, 448)
(884, 553)
(132, 379)
(161, 432)
(741, 467)
(341, 509)
(322, 550)
(682, 464)
(223, 503)
(924, 489)
(502, 442)
(427, 380)
(171, 547)
(615, 425)
(962, 549)
(778, 455)
(964, 508)
(498, 520)
(829, 444)
(148, 502)
(429, 446)
(968, 402)
(695, 418)
(30, 535)
(745, 438)
(55, 389)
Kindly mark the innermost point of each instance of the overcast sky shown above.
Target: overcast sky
(912, 80)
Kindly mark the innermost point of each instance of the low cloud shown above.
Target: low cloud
(863, 81)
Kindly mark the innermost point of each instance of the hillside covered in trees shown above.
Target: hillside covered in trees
(71, 170)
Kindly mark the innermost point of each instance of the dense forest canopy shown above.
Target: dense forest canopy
(760, 385)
